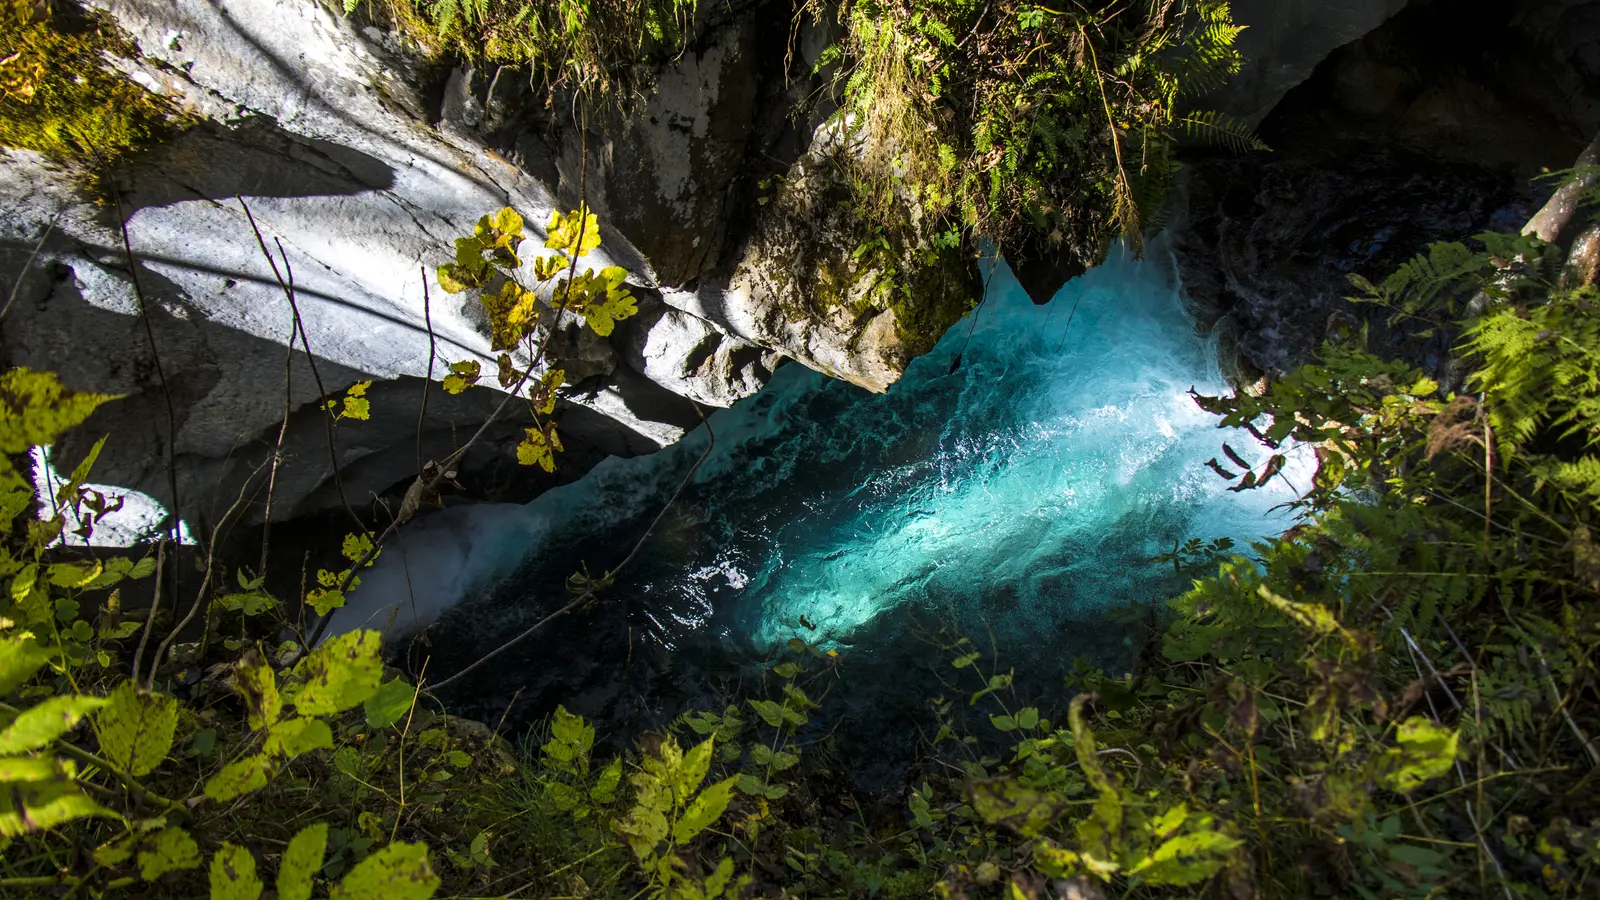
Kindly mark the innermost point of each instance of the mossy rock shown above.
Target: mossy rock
(59, 96)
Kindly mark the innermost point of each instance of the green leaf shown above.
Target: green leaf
(259, 686)
(233, 874)
(292, 737)
(29, 768)
(770, 712)
(706, 809)
(39, 408)
(301, 861)
(605, 786)
(686, 779)
(1426, 751)
(1186, 859)
(462, 375)
(1413, 855)
(168, 850)
(20, 657)
(399, 871)
(1003, 801)
(341, 673)
(563, 232)
(1028, 719)
(41, 724)
(390, 704)
(136, 728)
(1313, 616)
(236, 778)
(1004, 723)
(40, 805)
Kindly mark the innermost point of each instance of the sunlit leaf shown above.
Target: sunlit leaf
(301, 860)
(233, 874)
(340, 674)
(399, 871)
(136, 728)
(41, 724)
(168, 850)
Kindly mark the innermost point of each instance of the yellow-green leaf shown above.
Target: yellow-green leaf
(399, 871)
(292, 737)
(20, 657)
(233, 874)
(538, 448)
(29, 768)
(166, 851)
(259, 685)
(39, 805)
(1427, 750)
(324, 600)
(704, 811)
(575, 233)
(301, 860)
(356, 547)
(38, 408)
(340, 674)
(136, 728)
(236, 778)
(41, 724)
(462, 375)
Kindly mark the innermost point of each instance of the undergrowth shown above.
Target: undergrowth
(1397, 698)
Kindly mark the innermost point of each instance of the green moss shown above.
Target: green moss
(604, 48)
(59, 97)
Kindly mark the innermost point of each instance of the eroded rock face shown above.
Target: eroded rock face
(324, 132)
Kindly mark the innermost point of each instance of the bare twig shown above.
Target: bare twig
(277, 449)
(155, 603)
(294, 307)
(205, 583)
(427, 318)
(17, 287)
(161, 374)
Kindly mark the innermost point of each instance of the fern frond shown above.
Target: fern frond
(1220, 129)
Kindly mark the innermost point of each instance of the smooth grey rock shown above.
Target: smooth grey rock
(693, 358)
(1284, 41)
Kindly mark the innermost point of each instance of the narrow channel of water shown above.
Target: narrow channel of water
(1021, 496)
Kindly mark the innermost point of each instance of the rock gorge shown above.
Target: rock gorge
(360, 161)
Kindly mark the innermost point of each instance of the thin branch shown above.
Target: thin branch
(155, 602)
(161, 374)
(205, 584)
(277, 449)
(294, 307)
(17, 287)
(427, 318)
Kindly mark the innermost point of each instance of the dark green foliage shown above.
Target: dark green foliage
(1008, 116)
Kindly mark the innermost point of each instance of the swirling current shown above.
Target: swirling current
(1016, 499)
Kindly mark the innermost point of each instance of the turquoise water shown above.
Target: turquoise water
(1022, 494)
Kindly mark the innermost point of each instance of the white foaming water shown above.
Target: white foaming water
(1045, 471)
